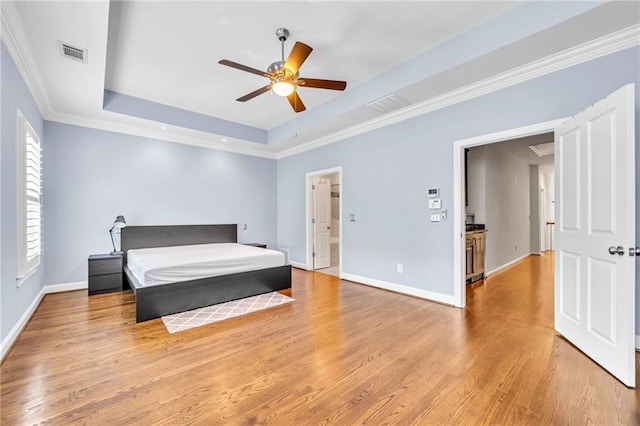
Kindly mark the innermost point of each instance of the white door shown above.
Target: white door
(543, 220)
(321, 223)
(595, 202)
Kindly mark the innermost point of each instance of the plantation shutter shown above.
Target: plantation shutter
(33, 198)
(29, 198)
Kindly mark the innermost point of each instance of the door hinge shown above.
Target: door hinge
(313, 255)
(313, 220)
(313, 187)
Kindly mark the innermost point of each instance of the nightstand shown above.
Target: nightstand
(105, 273)
(261, 245)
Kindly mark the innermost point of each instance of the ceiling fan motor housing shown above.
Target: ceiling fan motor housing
(277, 68)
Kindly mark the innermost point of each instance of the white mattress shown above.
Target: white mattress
(163, 265)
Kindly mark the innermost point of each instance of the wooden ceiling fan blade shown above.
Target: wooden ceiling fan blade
(317, 83)
(255, 93)
(243, 68)
(296, 102)
(298, 55)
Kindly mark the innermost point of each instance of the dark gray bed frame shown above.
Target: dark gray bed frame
(156, 301)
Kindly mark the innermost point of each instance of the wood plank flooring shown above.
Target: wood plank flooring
(342, 353)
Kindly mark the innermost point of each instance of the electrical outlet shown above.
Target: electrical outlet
(245, 227)
(400, 268)
(435, 217)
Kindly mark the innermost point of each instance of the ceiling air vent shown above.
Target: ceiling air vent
(75, 53)
(388, 103)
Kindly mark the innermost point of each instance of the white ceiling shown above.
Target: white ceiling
(520, 148)
(167, 52)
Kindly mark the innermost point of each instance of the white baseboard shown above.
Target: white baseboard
(13, 335)
(399, 288)
(300, 265)
(11, 338)
(59, 288)
(506, 265)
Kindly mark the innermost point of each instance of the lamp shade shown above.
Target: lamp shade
(120, 222)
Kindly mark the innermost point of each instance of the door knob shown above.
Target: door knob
(616, 250)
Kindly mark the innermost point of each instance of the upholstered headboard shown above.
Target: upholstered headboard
(134, 237)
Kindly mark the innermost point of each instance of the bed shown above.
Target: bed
(156, 295)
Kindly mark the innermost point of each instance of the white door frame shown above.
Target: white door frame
(308, 182)
(459, 287)
(542, 214)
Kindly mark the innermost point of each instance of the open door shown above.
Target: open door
(321, 222)
(595, 234)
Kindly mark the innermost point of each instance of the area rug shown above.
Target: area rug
(201, 316)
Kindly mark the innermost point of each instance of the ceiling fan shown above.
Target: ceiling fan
(284, 75)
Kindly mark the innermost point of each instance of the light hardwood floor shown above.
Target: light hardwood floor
(342, 353)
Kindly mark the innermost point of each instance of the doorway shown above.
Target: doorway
(459, 193)
(594, 282)
(507, 188)
(323, 219)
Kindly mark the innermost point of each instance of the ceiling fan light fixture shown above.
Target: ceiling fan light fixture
(283, 88)
(284, 76)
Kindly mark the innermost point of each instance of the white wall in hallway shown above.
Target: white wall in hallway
(507, 207)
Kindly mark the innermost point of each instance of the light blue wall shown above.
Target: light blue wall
(14, 94)
(91, 176)
(386, 172)
(137, 107)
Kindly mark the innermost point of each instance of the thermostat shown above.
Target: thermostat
(433, 192)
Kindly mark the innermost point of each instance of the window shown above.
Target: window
(28, 197)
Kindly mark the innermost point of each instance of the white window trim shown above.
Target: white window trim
(25, 268)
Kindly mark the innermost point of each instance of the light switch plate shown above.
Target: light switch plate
(435, 217)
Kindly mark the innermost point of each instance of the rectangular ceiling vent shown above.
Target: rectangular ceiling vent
(75, 53)
(388, 104)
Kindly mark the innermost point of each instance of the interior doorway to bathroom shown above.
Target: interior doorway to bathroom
(324, 221)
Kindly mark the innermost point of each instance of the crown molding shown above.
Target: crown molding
(594, 49)
(13, 36)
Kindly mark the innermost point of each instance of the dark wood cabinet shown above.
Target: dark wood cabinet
(475, 250)
(105, 273)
